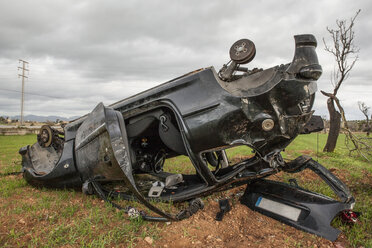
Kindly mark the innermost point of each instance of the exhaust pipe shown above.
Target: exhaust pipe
(305, 62)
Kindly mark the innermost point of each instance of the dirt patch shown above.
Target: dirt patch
(308, 175)
(307, 152)
(241, 227)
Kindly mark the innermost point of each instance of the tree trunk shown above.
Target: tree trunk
(368, 128)
(334, 126)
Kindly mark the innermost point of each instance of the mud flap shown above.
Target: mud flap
(103, 134)
(294, 206)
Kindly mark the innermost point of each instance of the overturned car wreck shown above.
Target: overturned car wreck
(200, 115)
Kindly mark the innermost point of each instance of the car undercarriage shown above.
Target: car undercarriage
(200, 115)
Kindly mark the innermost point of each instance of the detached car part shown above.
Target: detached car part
(199, 115)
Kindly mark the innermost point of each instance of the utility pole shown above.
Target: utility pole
(23, 68)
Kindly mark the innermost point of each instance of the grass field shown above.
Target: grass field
(53, 218)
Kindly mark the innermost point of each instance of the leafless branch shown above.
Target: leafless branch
(343, 50)
(364, 109)
(363, 148)
(345, 54)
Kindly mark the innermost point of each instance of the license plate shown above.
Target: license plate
(278, 208)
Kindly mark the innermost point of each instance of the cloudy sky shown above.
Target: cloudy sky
(84, 52)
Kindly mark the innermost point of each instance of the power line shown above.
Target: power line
(35, 94)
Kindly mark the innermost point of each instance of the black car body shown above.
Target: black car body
(199, 115)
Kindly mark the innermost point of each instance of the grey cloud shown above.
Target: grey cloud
(94, 51)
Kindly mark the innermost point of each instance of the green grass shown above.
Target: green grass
(356, 170)
(10, 160)
(356, 173)
(53, 218)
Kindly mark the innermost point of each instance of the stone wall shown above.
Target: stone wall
(16, 130)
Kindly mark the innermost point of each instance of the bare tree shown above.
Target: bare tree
(345, 54)
(364, 109)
